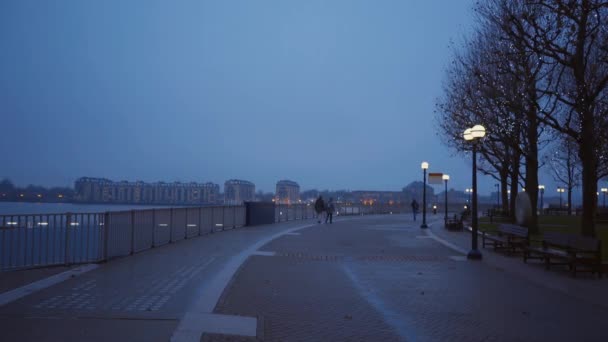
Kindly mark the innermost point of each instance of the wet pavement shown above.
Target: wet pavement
(381, 279)
(372, 278)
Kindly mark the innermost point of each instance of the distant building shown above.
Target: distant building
(377, 197)
(414, 190)
(237, 191)
(101, 190)
(287, 191)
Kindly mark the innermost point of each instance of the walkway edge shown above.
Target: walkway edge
(36, 286)
(448, 244)
(191, 330)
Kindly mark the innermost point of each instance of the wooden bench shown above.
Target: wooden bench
(575, 251)
(510, 237)
(454, 223)
(601, 217)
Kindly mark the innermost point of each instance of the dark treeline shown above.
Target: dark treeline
(34, 193)
(535, 74)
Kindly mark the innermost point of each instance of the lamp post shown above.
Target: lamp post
(541, 188)
(473, 135)
(424, 167)
(469, 191)
(561, 191)
(604, 191)
(446, 178)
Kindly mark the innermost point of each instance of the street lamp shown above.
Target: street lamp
(469, 191)
(561, 191)
(424, 167)
(446, 178)
(473, 135)
(541, 188)
(604, 190)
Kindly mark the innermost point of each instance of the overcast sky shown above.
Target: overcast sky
(332, 94)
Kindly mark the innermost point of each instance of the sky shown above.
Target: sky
(331, 94)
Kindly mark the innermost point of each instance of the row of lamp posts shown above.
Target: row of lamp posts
(472, 135)
(425, 166)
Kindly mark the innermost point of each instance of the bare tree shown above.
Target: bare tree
(571, 38)
(565, 166)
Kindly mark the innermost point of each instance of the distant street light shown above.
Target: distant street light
(446, 178)
(604, 190)
(541, 188)
(424, 167)
(561, 191)
(473, 135)
(468, 191)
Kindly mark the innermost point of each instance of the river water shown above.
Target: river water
(10, 208)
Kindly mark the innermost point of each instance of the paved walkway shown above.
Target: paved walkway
(376, 278)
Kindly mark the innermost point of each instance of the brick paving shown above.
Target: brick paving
(137, 298)
(378, 279)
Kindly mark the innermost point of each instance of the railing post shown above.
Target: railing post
(212, 220)
(170, 225)
(132, 232)
(199, 221)
(186, 226)
(106, 235)
(68, 221)
(153, 228)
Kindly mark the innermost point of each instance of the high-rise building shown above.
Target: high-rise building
(287, 191)
(237, 191)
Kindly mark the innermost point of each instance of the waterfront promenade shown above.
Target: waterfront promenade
(370, 278)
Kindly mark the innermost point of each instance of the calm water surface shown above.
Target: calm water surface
(8, 208)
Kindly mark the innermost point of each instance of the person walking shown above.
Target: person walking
(414, 208)
(319, 208)
(330, 211)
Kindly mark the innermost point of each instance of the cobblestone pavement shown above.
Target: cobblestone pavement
(383, 279)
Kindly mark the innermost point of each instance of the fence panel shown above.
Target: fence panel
(178, 224)
(206, 219)
(218, 218)
(84, 237)
(241, 212)
(291, 216)
(144, 230)
(162, 227)
(119, 234)
(229, 217)
(192, 222)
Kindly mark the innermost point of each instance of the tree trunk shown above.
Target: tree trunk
(532, 167)
(569, 201)
(514, 184)
(588, 161)
(587, 138)
(504, 183)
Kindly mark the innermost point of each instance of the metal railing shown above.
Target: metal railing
(41, 240)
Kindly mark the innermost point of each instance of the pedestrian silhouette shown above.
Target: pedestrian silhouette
(330, 211)
(319, 208)
(414, 208)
